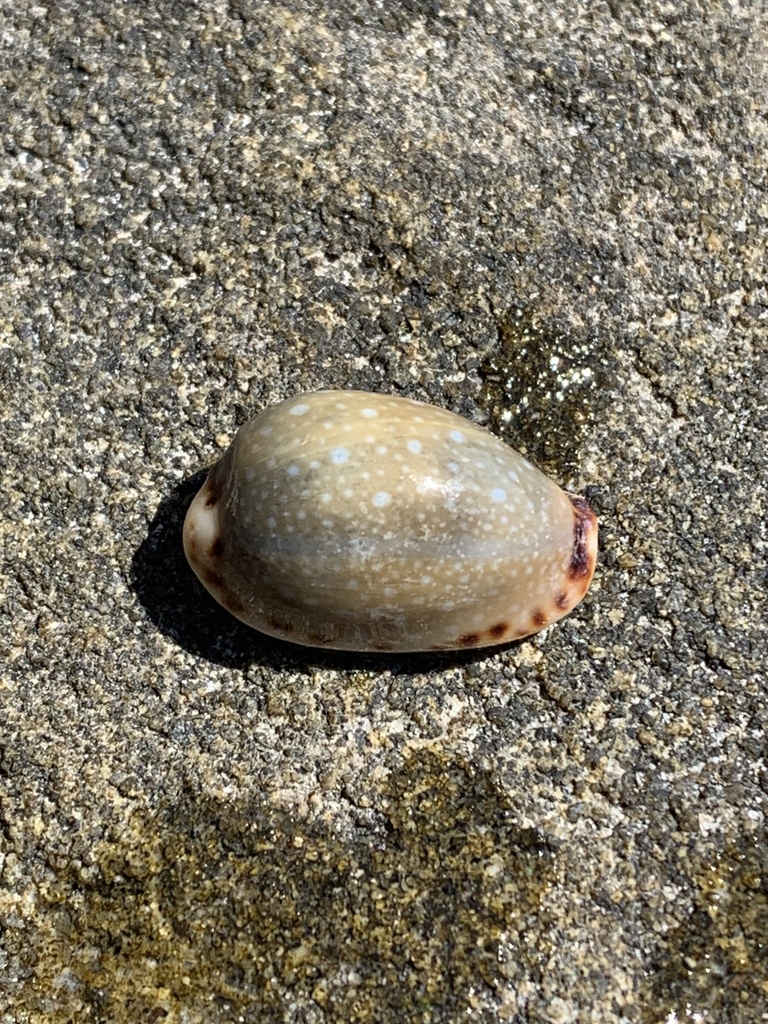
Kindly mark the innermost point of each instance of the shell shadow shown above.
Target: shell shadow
(181, 608)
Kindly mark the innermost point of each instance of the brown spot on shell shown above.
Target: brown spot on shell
(539, 619)
(469, 639)
(580, 565)
(216, 584)
(561, 601)
(213, 579)
(217, 548)
(212, 494)
(498, 631)
(282, 625)
(319, 641)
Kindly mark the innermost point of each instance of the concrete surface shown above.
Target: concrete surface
(549, 217)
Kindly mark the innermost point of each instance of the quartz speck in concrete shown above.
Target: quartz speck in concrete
(550, 218)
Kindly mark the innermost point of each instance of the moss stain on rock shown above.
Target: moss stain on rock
(544, 389)
(218, 912)
(714, 966)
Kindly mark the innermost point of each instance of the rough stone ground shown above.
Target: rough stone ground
(547, 216)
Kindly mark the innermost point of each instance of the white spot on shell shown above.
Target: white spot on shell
(498, 494)
(414, 446)
(457, 436)
(381, 499)
(299, 409)
(340, 455)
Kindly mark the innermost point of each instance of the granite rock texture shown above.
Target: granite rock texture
(548, 217)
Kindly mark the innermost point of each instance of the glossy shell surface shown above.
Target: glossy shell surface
(366, 522)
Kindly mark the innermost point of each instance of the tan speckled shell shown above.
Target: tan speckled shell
(371, 523)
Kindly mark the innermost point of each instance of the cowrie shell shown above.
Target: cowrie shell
(367, 522)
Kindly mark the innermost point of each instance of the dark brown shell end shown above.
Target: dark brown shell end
(584, 553)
